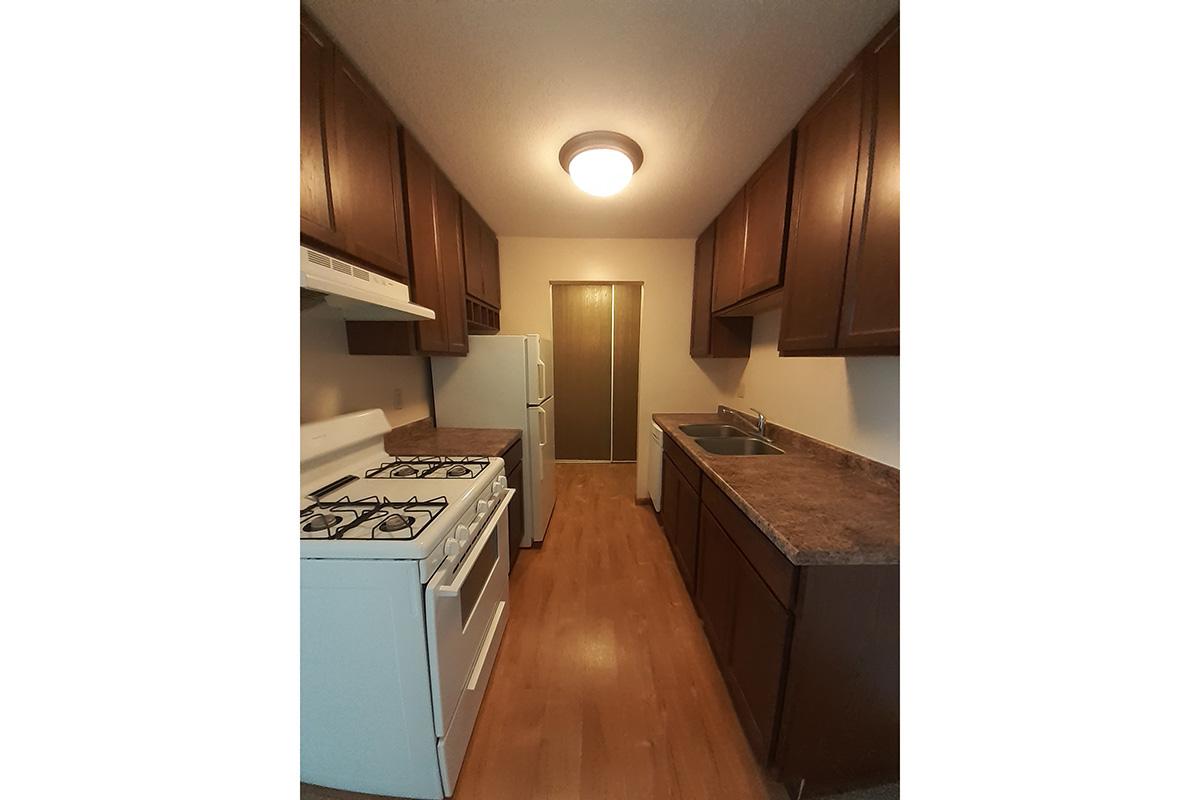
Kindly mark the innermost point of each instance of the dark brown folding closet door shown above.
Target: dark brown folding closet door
(596, 336)
(627, 323)
(582, 371)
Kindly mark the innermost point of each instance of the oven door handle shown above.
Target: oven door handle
(464, 567)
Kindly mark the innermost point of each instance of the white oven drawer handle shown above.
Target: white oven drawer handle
(473, 683)
(464, 568)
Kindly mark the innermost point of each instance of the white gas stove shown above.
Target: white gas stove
(404, 586)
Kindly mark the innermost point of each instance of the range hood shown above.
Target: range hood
(357, 293)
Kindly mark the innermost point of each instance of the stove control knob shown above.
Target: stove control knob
(499, 485)
(452, 549)
(482, 507)
(462, 534)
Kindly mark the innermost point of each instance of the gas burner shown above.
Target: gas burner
(321, 522)
(412, 467)
(396, 522)
(369, 518)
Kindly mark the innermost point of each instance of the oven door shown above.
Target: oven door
(461, 604)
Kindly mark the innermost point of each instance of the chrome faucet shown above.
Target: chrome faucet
(761, 425)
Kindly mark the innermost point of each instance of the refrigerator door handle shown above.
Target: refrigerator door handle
(541, 427)
(541, 369)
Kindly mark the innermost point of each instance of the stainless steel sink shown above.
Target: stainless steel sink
(738, 446)
(718, 431)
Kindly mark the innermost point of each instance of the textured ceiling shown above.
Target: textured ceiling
(493, 89)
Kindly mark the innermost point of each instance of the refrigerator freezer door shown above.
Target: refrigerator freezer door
(541, 446)
(539, 368)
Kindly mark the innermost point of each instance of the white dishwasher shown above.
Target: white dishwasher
(656, 448)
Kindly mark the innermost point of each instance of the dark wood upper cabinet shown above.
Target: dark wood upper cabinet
(822, 205)
(481, 254)
(871, 300)
(453, 310)
(351, 196)
(365, 172)
(491, 271)
(714, 337)
(730, 251)
(473, 258)
(435, 228)
(842, 291)
(420, 186)
(316, 78)
(751, 237)
(767, 194)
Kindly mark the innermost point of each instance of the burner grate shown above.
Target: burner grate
(412, 467)
(375, 518)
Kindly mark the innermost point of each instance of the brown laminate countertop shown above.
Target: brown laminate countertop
(421, 438)
(817, 504)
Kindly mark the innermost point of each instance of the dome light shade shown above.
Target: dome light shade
(600, 163)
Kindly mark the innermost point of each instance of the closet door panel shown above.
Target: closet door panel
(583, 370)
(627, 320)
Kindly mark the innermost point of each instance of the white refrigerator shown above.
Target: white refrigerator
(506, 382)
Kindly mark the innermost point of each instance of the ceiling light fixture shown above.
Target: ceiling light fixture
(600, 162)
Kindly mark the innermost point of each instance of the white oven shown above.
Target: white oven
(466, 608)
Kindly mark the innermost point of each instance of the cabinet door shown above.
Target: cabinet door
(365, 173)
(316, 78)
(420, 187)
(714, 337)
(730, 252)
(822, 205)
(450, 262)
(702, 291)
(473, 255)
(670, 500)
(757, 655)
(715, 584)
(516, 514)
(687, 532)
(491, 266)
(871, 301)
(767, 221)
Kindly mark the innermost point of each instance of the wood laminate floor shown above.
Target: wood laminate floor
(604, 686)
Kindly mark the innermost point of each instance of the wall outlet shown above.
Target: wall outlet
(397, 399)
(741, 390)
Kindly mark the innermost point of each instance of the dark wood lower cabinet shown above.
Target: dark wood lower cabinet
(681, 521)
(757, 656)
(748, 629)
(811, 655)
(516, 512)
(841, 715)
(714, 589)
(687, 533)
(516, 507)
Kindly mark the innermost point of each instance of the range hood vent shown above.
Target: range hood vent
(358, 294)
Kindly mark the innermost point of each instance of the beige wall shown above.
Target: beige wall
(332, 382)
(669, 379)
(853, 403)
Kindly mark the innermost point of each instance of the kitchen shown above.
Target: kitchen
(549, 375)
(597, 359)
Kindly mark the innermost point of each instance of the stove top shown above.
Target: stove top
(395, 501)
(369, 518)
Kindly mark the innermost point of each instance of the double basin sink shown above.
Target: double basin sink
(726, 440)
